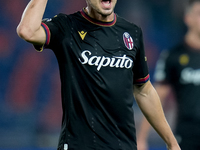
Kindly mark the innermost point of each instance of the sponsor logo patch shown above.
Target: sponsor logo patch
(103, 61)
(184, 59)
(82, 34)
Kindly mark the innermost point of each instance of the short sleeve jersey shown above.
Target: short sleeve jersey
(180, 67)
(99, 62)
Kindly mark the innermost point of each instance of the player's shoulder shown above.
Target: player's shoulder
(178, 49)
(127, 24)
(173, 52)
(63, 16)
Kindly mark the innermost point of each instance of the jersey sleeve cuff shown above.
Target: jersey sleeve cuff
(142, 80)
(40, 48)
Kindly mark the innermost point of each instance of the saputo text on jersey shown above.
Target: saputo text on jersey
(102, 61)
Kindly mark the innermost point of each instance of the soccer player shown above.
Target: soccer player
(101, 59)
(178, 70)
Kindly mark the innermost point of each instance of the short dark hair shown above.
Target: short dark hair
(189, 5)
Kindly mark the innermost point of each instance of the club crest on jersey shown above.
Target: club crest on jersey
(128, 41)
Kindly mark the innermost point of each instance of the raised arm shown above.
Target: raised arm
(29, 27)
(149, 103)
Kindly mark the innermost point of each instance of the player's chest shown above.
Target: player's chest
(189, 69)
(104, 41)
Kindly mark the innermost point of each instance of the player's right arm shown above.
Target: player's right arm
(30, 28)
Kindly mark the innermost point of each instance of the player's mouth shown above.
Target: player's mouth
(106, 3)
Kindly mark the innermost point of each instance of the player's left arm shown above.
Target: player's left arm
(149, 103)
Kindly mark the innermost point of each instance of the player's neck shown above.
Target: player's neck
(95, 15)
(193, 40)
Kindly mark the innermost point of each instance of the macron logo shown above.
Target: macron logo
(102, 61)
(82, 34)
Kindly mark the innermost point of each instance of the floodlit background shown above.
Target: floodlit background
(30, 102)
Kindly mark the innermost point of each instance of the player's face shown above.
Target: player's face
(105, 8)
(192, 18)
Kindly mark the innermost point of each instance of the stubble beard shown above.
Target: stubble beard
(103, 13)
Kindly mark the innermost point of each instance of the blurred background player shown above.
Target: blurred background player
(178, 71)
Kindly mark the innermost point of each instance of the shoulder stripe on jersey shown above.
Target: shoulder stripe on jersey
(142, 80)
(97, 22)
(47, 31)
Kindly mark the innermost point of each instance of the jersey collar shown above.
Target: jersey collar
(97, 22)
